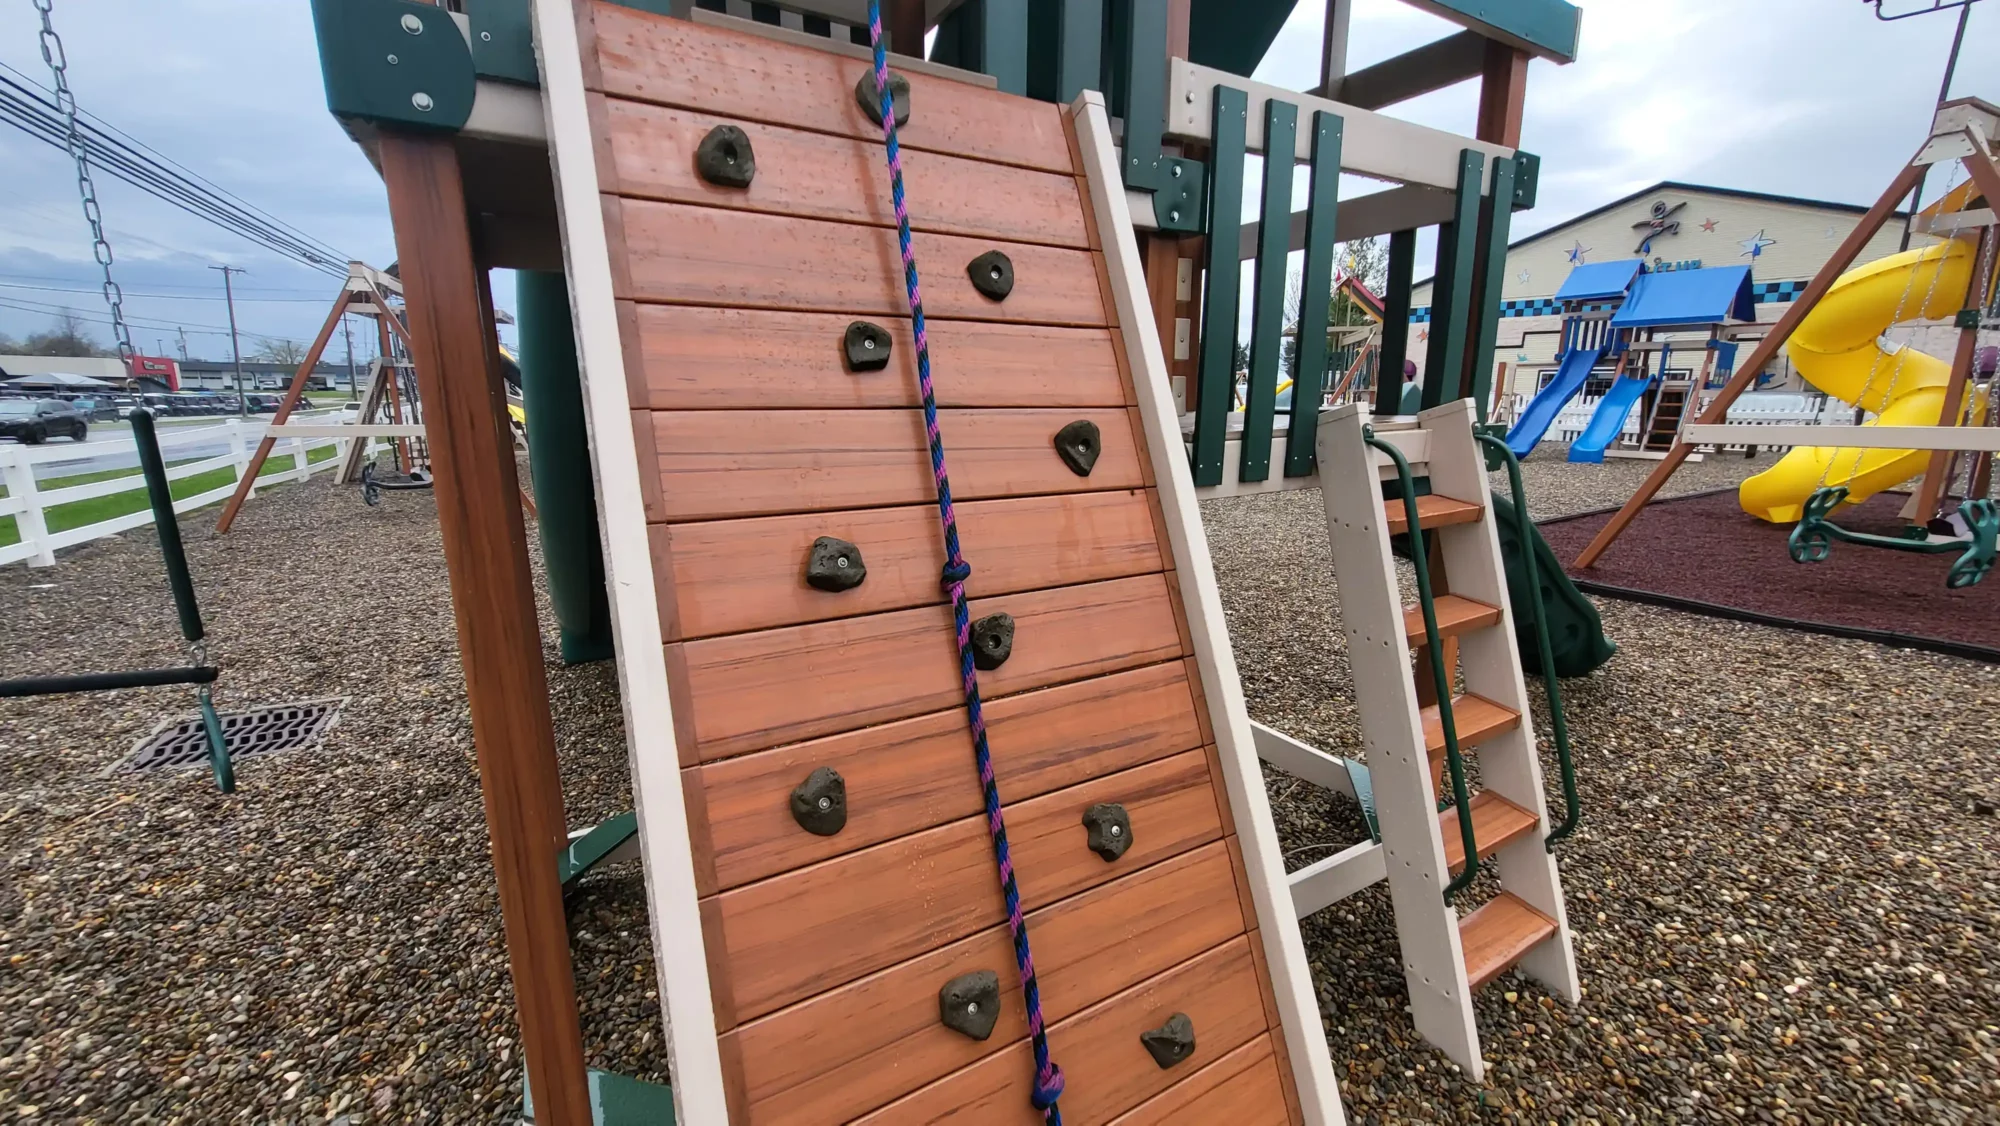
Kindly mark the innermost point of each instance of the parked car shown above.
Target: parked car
(34, 421)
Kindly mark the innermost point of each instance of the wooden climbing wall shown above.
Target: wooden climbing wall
(825, 954)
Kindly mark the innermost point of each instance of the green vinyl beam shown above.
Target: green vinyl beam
(1395, 348)
(1267, 311)
(1494, 215)
(989, 36)
(1547, 28)
(1316, 299)
(1451, 287)
(1216, 376)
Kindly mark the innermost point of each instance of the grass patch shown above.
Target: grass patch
(63, 517)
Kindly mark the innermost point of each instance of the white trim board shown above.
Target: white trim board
(687, 1010)
(1270, 892)
(1975, 439)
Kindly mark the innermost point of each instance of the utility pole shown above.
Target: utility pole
(184, 345)
(347, 330)
(235, 352)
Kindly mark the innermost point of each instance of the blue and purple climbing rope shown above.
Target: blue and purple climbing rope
(1048, 1077)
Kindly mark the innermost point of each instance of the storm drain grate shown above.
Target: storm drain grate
(258, 731)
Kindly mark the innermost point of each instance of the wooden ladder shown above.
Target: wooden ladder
(1445, 957)
(1668, 408)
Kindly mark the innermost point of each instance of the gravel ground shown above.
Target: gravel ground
(1779, 893)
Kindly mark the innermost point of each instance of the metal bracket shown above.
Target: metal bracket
(1527, 179)
(394, 62)
(503, 41)
(1176, 184)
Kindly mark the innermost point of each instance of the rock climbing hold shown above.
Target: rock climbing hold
(1078, 444)
(1170, 1043)
(870, 97)
(1110, 830)
(819, 804)
(992, 640)
(834, 565)
(992, 274)
(724, 157)
(867, 346)
(970, 1003)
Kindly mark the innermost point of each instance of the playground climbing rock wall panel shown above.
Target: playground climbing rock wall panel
(845, 881)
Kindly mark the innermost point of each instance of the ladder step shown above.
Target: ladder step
(1496, 823)
(1498, 934)
(1456, 614)
(1433, 511)
(1477, 718)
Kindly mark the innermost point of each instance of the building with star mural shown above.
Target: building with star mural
(1671, 225)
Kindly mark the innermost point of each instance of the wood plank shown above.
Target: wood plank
(1433, 511)
(679, 63)
(1107, 1069)
(676, 252)
(715, 464)
(1476, 718)
(1498, 934)
(750, 691)
(1456, 615)
(791, 936)
(695, 358)
(816, 176)
(912, 775)
(1496, 823)
(848, 1051)
(729, 576)
(1242, 1088)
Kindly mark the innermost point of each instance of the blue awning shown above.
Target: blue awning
(1595, 281)
(1688, 297)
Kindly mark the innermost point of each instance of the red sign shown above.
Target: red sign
(161, 368)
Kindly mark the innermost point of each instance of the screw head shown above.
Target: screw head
(1175, 171)
(486, 37)
(412, 24)
(825, 803)
(869, 344)
(1116, 830)
(1174, 215)
(393, 60)
(422, 101)
(973, 1007)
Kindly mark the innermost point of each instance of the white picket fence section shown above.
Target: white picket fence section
(1758, 408)
(29, 503)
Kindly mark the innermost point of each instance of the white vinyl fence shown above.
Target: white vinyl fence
(29, 503)
(1758, 408)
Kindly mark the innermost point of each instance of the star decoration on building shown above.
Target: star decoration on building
(1423, 334)
(1577, 252)
(1708, 225)
(1755, 244)
(1831, 233)
(1522, 277)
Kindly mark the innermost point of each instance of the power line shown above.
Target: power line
(171, 296)
(23, 305)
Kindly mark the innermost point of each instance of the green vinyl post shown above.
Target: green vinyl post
(1395, 321)
(165, 523)
(1267, 310)
(1451, 287)
(559, 461)
(1216, 376)
(989, 36)
(1316, 296)
(1495, 214)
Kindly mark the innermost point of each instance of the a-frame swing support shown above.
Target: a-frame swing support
(1962, 130)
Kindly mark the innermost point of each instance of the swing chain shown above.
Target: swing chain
(53, 54)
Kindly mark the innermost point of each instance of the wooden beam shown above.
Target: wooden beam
(493, 599)
(1747, 369)
(1976, 439)
(1333, 49)
(903, 22)
(1503, 93)
(292, 393)
(1413, 73)
(1937, 470)
(1378, 213)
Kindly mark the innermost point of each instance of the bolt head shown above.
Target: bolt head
(826, 803)
(1116, 830)
(1174, 216)
(393, 60)
(973, 1007)
(422, 101)
(1175, 171)
(412, 24)
(486, 37)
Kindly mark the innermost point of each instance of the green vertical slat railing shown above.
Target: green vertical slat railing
(1145, 92)
(1496, 213)
(1451, 287)
(1395, 321)
(1080, 48)
(1316, 297)
(1216, 376)
(1267, 309)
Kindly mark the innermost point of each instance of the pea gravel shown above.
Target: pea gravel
(1782, 894)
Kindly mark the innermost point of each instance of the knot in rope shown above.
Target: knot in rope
(956, 571)
(1048, 1087)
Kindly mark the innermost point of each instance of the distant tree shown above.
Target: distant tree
(280, 352)
(1366, 259)
(66, 336)
(9, 346)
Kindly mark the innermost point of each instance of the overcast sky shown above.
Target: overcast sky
(1802, 97)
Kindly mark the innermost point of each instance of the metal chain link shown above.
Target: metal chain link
(52, 54)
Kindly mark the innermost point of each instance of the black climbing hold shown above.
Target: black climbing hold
(870, 97)
(1078, 444)
(1170, 1043)
(970, 1003)
(834, 565)
(1110, 829)
(724, 157)
(867, 346)
(992, 274)
(992, 640)
(819, 804)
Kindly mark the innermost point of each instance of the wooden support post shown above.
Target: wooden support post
(1333, 48)
(1503, 92)
(1746, 371)
(1937, 471)
(493, 599)
(291, 400)
(1395, 350)
(903, 23)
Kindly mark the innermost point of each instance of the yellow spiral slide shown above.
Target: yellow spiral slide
(1839, 349)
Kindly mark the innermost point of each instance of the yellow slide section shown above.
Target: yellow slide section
(1839, 349)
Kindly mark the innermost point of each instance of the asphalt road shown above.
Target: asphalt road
(109, 446)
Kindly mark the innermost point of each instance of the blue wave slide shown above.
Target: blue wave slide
(1548, 402)
(1609, 419)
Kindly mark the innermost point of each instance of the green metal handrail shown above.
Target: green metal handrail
(1455, 765)
(1524, 534)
